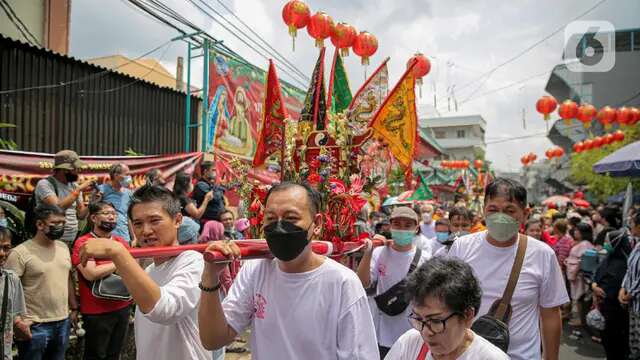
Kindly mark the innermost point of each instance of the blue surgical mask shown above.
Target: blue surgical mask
(442, 236)
(4, 223)
(126, 181)
(403, 237)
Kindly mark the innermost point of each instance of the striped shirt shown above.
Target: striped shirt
(631, 281)
(562, 249)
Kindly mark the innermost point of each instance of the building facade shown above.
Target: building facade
(460, 137)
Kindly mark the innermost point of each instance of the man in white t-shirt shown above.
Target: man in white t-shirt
(383, 267)
(300, 305)
(427, 224)
(166, 294)
(540, 290)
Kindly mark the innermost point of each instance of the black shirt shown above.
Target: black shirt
(216, 205)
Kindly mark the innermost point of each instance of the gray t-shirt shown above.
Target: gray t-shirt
(15, 307)
(44, 189)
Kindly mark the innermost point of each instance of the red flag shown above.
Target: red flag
(271, 137)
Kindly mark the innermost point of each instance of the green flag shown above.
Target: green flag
(339, 91)
(422, 192)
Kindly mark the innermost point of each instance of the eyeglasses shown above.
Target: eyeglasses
(436, 326)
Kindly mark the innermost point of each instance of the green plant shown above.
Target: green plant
(7, 144)
(130, 152)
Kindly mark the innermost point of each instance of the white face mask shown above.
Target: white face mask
(426, 218)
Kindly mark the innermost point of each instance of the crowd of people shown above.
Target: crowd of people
(448, 282)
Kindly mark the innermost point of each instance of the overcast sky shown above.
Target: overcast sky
(464, 38)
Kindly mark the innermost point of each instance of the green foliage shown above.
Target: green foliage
(601, 186)
(131, 152)
(7, 144)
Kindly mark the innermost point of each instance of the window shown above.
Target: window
(440, 134)
(460, 134)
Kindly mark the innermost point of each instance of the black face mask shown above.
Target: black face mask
(107, 226)
(55, 232)
(285, 239)
(71, 177)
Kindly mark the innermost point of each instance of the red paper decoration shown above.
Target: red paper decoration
(606, 117)
(546, 105)
(635, 115)
(578, 147)
(624, 116)
(588, 144)
(295, 14)
(568, 110)
(319, 28)
(558, 152)
(618, 136)
(608, 139)
(586, 113)
(343, 36)
(597, 142)
(478, 164)
(365, 45)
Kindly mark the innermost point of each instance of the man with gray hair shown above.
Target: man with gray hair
(117, 192)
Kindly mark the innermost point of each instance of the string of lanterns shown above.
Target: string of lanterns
(528, 159)
(556, 152)
(586, 113)
(598, 141)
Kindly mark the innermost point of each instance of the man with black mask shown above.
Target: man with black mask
(207, 183)
(62, 190)
(106, 321)
(300, 304)
(44, 267)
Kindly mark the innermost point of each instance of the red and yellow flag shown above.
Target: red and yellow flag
(271, 138)
(396, 120)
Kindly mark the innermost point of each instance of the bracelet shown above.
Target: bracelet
(209, 289)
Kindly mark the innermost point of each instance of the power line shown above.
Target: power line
(283, 58)
(22, 28)
(85, 78)
(243, 40)
(531, 47)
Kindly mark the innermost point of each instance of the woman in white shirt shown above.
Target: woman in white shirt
(445, 297)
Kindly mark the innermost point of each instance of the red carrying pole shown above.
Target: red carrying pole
(249, 249)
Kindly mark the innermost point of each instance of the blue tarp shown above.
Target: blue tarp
(624, 162)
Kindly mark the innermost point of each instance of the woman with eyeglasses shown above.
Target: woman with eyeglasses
(445, 297)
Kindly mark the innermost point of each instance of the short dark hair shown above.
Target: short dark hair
(116, 169)
(511, 189)
(181, 183)
(312, 195)
(585, 230)
(532, 222)
(152, 174)
(206, 165)
(612, 215)
(43, 211)
(442, 221)
(448, 279)
(460, 211)
(96, 207)
(151, 193)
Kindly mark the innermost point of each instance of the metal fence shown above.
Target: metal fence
(59, 102)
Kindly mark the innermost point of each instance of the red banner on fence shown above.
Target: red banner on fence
(20, 171)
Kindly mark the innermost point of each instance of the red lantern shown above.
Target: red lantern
(635, 115)
(578, 147)
(588, 144)
(295, 14)
(618, 136)
(568, 110)
(586, 113)
(607, 139)
(607, 116)
(343, 36)
(524, 160)
(365, 45)
(624, 116)
(478, 164)
(546, 105)
(597, 142)
(420, 69)
(549, 154)
(465, 164)
(319, 28)
(558, 152)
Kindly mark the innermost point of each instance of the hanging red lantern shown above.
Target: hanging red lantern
(546, 105)
(588, 144)
(420, 69)
(624, 116)
(343, 36)
(578, 147)
(465, 164)
(558, 152)
(635, 115)
(568, 110)
(607, 139)
(606, 117)
(295, 14)
(549, 154)
(597, 142)
(365, 45)
(319, 28)
(524, 160)
(586, 113)
(618, 136)
(478, 164)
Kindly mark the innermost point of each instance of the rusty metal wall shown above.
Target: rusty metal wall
(68, 103)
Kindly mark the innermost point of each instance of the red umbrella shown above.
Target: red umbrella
(580, 203)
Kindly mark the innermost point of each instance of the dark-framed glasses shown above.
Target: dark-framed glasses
(436, 326)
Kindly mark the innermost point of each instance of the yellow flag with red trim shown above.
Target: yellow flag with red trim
(396, 120)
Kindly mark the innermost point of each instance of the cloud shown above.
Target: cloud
(465, 38)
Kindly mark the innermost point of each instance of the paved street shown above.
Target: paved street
(580, 349)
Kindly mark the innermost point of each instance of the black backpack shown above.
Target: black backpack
(393, 302)
(29, 214)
